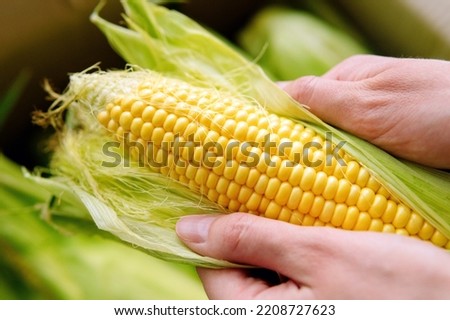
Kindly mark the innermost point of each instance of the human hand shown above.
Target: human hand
(400, 105)
(319, 263)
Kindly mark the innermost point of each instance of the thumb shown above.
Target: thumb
(333, 101)
(249, 239)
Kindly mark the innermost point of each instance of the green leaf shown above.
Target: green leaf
(12, 95)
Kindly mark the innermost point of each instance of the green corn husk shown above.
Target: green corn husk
(141, 207)
(43, 259)
(289, 43)
(10, 97)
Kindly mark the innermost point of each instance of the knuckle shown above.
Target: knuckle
(303, 89)
(236, 230)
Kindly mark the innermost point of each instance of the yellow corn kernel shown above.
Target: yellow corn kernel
(272, 188)
(306, 202)
(318, 223)
(426, 232)
(146, 131)
(201, 176)
(103, 117)
(115, 113)
(253, 178)
(296, 218)
(308, 177)
(233, 190)
(402, 216)
(352, 171)
(327, 211)
(373, 184)
(388, 228)
(340, 211)
(180, 126)
(285, 214)
(414, 224)
(120, 134)
(125, 120)
(222, 185)
(285, 170)
(402, 232)
(242, 174)
(363, 221)
(263, 204)
(343, 191)
(191, 171)
(244, 194)
(234, 205)
(317, 206)
(390, 212)
(319, 183)
(383, 191)
(272, 169)
(223, 200)
(365, 199)
(296, 152)
(262, 183)
(308, 220)
(350, 218)
(137, 108)
(283, 194)
(376, 225)
(230, 169)
(378, 206)
(219, 166)
(212, 180)
(273, 210)
(136, 126)
(438, 239)
(148, 113)
(331, 188)
(190, 130)
(294, 198)
(363, 177)
(112, 126)
(353, 195)
(254, 201)
(296, 175)
(157, 136)
(169, 122)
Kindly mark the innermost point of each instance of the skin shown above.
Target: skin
(401, 105)
(316, 263)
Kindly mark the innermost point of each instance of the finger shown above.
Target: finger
(230, 283)
(335, 102)
(359, 67)
(249, 239)
(233, 284)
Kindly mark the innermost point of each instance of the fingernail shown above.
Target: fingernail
(283, 84)
(194, 229)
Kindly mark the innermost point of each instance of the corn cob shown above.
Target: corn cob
(229, 149)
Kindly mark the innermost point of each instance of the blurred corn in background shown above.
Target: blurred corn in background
(41, 261)
(42, 258)
(289, 43)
